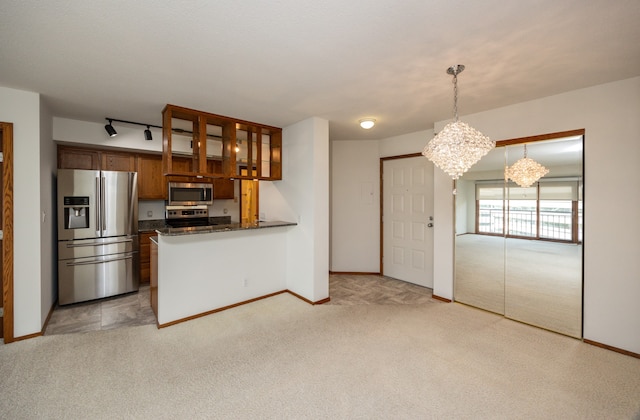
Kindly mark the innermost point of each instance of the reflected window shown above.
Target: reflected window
(523, 218)
(550, 210)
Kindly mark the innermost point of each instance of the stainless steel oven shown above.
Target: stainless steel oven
(190, 193)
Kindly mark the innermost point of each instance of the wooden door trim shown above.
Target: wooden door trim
(7, 228)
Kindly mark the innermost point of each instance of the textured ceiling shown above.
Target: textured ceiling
(281, 61)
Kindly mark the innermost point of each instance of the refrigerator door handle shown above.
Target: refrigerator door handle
(103, 194)
(126, 257)
(99, 243)
(97, 206)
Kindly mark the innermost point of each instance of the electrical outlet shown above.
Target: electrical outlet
(246, 282)
(150, 213)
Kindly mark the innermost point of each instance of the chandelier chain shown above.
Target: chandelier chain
(455, 95)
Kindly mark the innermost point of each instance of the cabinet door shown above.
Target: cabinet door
(152, 185)
(118, 162)
(145, 256)
(78, 159)
(182, 165)
(223, 188)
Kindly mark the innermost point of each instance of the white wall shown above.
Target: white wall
(610, 115)
(465, 207)
(93, 134)
(355, 181)
(23, 110)
(48, 245)
(303, 197)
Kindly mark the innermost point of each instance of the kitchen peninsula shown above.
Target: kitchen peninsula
(199, 270)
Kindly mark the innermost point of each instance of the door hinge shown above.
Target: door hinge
(1, 157)
(1, 235)
(1, 312)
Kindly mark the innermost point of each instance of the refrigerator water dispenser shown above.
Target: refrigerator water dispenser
(76, 212)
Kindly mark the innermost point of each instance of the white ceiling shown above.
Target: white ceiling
(281, 61)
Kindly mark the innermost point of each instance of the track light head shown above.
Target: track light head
(147, 134)
(110, 130)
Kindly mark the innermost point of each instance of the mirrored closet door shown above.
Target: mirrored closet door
(519, 247)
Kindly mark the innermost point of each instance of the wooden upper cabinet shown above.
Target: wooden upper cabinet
(76, 158)
(152, 185)
(71, 158)
(118, 162)
(219, 147)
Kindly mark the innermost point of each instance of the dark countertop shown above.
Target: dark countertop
(153, 225)
(168, 231)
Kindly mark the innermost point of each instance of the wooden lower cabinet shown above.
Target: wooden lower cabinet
(145, 255)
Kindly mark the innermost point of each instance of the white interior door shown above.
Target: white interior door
(407, 221)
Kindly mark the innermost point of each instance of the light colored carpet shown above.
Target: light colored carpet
(280, 358)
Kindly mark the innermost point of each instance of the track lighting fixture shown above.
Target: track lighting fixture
(147, 134)
(112, 131)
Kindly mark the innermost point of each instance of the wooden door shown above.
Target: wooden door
(408, 220)
(249, 193)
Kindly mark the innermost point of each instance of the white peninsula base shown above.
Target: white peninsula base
(200, 273)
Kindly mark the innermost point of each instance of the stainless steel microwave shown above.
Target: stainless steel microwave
(190, 193)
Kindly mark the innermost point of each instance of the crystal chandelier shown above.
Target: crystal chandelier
(525, 172)
(458, 146)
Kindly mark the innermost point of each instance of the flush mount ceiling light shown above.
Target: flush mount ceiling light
(110, 130)
(458, 146)
(367, 123)
(525, 172)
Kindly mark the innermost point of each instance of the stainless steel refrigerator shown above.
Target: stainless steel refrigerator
(97, 234)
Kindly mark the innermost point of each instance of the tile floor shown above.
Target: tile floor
(120, 311)
(134, 308)
(368, 289)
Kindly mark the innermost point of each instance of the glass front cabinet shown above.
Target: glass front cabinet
(196, 143)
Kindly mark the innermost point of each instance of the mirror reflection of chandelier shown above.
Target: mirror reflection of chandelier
(525, 172)
(458, 146)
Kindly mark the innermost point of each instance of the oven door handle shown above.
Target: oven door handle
(93, 262)
(99, 243)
